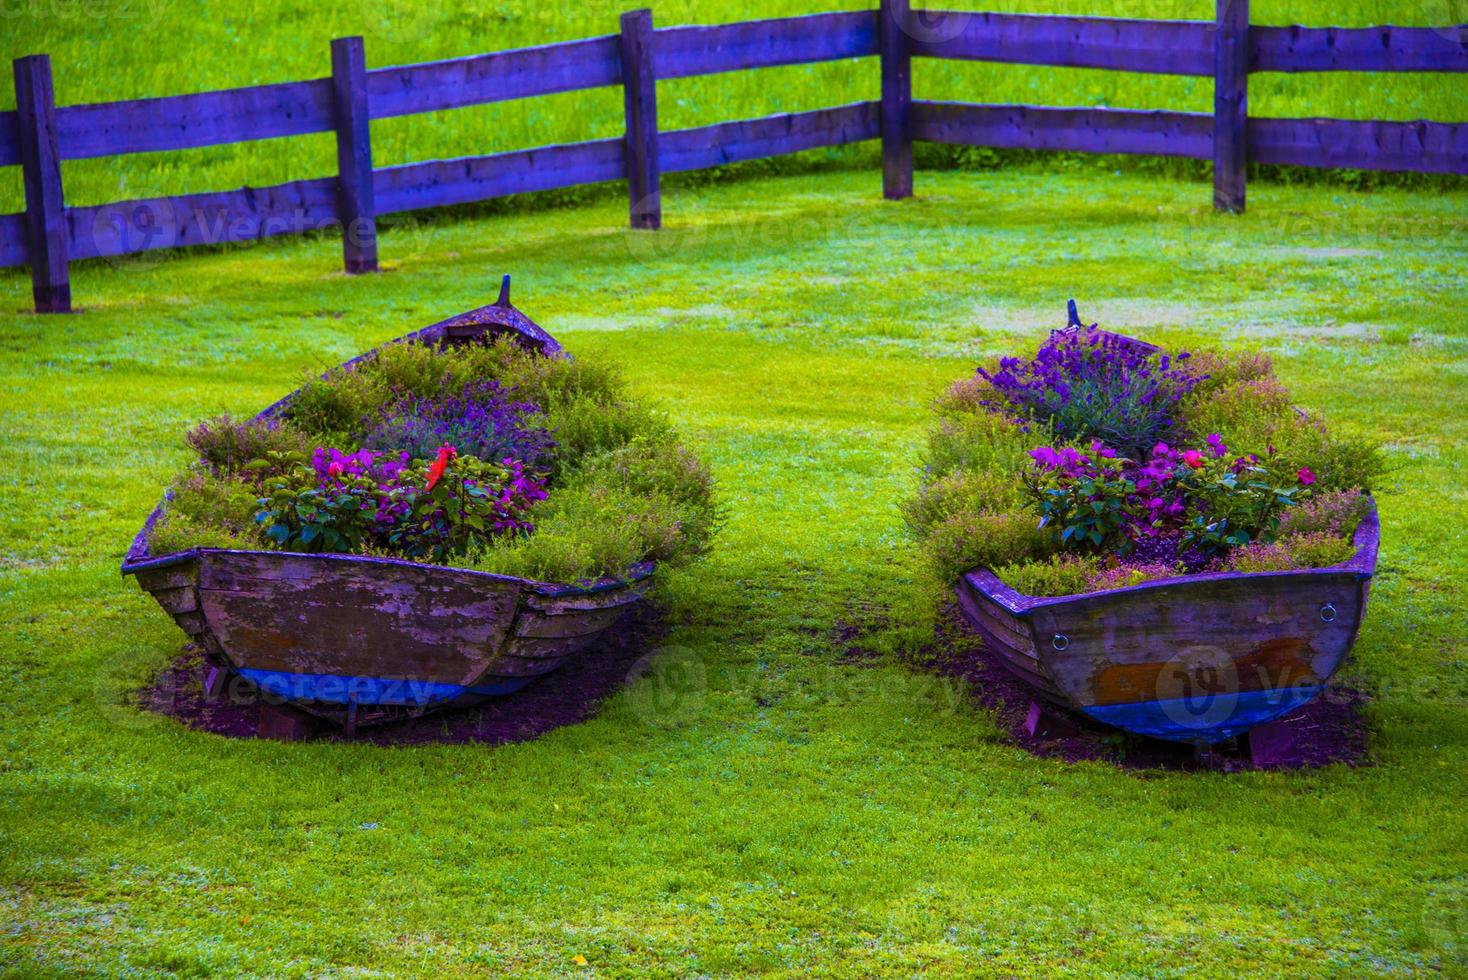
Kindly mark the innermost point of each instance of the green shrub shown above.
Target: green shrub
(962, 492)
(1318, 549)
(208, 511)
(1056, 576)
(585, 427)
(1336, 513)
(967, 540)
(586, 532)
(229, 447)
(1126, 576)
(671, 474)
(980, 442)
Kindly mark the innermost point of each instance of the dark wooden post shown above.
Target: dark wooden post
(354, 202)
(896, 52)
(639, 85)
(40, 162)
(1230, 104)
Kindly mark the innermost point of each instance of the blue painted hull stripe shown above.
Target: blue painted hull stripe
(1212, 718)
(339, 689)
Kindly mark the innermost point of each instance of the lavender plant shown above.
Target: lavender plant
(1092, 385)
(477, 418)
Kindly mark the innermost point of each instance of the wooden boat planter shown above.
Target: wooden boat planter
(1197, 658)
(357, 639)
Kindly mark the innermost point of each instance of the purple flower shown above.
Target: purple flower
(1091, 385)
(478, 418)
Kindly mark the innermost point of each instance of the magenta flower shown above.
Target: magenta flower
(1306, 477)
(1193, 458)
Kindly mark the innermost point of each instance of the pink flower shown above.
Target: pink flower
(334, 469)
(1306, 477)
(1193, 458)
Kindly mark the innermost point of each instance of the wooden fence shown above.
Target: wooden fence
(38, 135)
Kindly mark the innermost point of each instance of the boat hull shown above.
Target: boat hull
(1199, 658)
(339, 633)
(360, 639)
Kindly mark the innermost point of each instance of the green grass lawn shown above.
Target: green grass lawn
(790, 814)
(113, 49)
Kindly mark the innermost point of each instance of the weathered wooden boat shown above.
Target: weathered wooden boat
(1198, 658)
(359, 639)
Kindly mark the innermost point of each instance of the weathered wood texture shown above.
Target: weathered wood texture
(326, 614)
(180, 122)
(1230, 104)
(1152, 46)
(751, 139)
(40, 162)
(246, 214)
(895, 47)
(498, 77)
(12, 240)
(1180, 134)
(353, 155)
(685, 51)
(1422, 147)
(9, 138)
(640, 91)
(1292, 49)
(437, 183)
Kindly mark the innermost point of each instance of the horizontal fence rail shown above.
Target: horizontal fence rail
(37, 135)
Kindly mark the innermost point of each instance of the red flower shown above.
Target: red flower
(435, 471)
(1193, 458)
(1306, 477)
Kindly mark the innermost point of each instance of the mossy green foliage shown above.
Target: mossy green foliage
(623, 489)
(756, 802)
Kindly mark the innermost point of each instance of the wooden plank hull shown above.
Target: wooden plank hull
(358, 639)
(326, 632)
(1200, 658)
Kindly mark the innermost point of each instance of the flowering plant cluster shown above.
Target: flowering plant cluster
(1102, 462)
(478, 418)
(1086, 384)
(483, 455)
(350, 501)
(1200, 502)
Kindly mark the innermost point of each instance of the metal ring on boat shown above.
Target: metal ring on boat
(1327, 613)
(1060, 641)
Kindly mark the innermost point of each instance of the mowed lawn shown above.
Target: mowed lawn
(778, 810)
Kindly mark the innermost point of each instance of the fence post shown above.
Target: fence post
(896, 52)
(40, 162)
(1230, 104)
(639, 85)
(354, 201)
